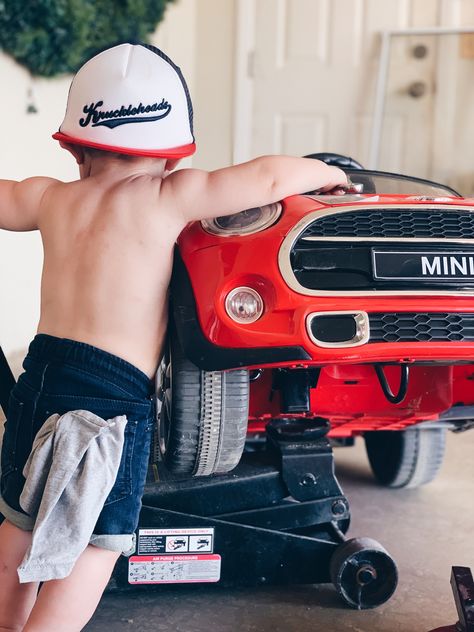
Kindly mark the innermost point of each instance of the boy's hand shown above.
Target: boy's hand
(343, 189)
(339, 182)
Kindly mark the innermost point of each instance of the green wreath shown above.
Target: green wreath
(52, 37)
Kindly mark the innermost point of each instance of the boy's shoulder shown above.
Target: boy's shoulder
(20, 202)
(32, 190)
(35, 183)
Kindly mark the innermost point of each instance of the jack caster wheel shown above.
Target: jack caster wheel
(363, 573)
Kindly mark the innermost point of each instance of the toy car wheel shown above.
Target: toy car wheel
(406, 458)
(202, 421)
(363, 573)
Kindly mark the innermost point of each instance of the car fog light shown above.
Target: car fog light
(244, 305)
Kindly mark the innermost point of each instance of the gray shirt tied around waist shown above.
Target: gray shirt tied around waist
(69, 474)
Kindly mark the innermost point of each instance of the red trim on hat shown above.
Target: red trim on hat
(175, 152)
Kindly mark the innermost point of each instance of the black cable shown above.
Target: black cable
(387, 391)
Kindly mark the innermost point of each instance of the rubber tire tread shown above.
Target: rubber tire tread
(235, 415)
(182, 453)
(406, 458)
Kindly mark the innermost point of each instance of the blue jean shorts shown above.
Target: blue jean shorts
(63, 375)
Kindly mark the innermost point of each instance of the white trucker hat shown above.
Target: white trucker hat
(130, 99)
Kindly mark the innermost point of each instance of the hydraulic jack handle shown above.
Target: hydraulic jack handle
(463, 590)
(7, 381)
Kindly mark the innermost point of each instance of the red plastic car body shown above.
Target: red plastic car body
(399, 267)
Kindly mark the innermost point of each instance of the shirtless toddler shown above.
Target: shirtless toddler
(108, 242)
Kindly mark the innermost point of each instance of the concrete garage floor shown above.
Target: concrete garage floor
(426, 530)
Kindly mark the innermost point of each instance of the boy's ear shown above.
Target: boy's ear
(76, 150)
(172, 164)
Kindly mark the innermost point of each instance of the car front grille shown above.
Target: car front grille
(334, 251)
(395, 223)
(421, 327)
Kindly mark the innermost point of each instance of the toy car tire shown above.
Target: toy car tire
(406, 458)
(202, 424)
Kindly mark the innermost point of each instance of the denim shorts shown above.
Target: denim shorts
(62, 375)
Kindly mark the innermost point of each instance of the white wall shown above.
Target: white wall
(27, 150)
(194, 33)
(214, 83)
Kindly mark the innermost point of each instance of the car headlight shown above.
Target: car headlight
(246, 222)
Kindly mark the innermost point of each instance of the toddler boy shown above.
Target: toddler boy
(108, 242)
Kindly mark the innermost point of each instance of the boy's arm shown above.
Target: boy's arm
(20, 202)
(202, 194)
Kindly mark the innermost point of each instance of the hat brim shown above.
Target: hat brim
(174, 152)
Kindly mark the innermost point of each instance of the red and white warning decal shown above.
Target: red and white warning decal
(185, 540)
(174, 569)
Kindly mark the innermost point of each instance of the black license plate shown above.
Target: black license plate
(427, 265)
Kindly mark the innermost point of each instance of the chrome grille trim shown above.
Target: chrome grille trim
(295, 233)
(361, 319)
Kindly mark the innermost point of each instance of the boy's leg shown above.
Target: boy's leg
(66, 605)
(16, 600)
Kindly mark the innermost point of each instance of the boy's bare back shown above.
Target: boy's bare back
(107, 243)
(108, 238)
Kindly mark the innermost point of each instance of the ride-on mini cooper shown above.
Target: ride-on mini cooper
(318, 316)
(358, 309)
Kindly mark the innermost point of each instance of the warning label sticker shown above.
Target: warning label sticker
(192, 540)
(174, 569)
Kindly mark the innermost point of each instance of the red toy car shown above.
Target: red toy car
(356, 308)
